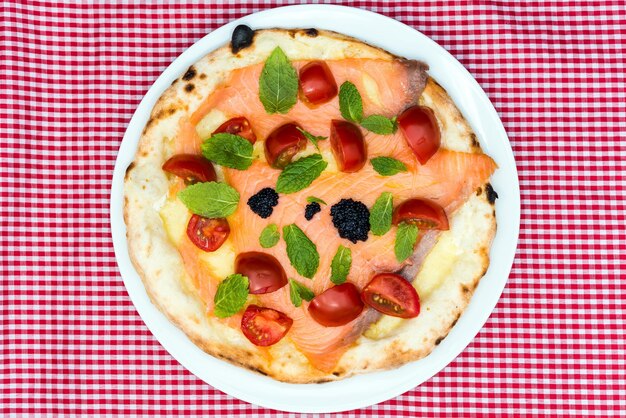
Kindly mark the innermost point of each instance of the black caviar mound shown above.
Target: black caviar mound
(352, 219)
(311, 209)
(263, 202)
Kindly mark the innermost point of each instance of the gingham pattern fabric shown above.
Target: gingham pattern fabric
(73, 344)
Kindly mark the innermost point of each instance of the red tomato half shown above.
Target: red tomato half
(282, 144)
(346, 141)
(191, 168)
(208, 234)
(392, 295)
(264, 326)
(264, 272)
(421, 131)
(337, 305)
(238, 126)
(424, 213)
(317, 83)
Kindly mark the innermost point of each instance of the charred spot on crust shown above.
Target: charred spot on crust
(311, 209)
(263, 202)
(352, 219)
(202, 76)
(189, 87)
(258, 370)
(312, 32)
(439, 340)
(129, 169)
(479, 191)
(160, 115)
(336, 374)
(491, 194)
(475, 142)
(464, 288)
(455, 321)
(191, 73)
(242, 38)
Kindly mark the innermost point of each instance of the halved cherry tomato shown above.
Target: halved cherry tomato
(238, 126)
(346, 141)
(282, 144)
(421, 131)
(317, 83)
(191, 168)
(264, 326)
(337, 305)
(424, 213)
(264, 272)
(208, 234)
(392, 295)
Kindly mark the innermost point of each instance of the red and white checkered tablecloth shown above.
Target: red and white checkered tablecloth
(71, 341)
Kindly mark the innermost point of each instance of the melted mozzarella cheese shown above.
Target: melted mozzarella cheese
(210, 123)
(175, 216)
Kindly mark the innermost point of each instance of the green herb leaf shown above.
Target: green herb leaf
(350, 102)
(231, 295)
(269, 236)
(278, 84)
(314, 139)
(301, 251)
(313, 199)
(406, 237)
(379, 124)
(387, 166)
(340, 266)
(298, 291)
(381, 214)
(228, 150)
(210, 199)
(300, 174)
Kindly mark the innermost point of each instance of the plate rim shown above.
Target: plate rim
(471, 321)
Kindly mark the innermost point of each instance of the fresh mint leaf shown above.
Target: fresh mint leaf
(314, 139)
(313, 199)
(381, 214)
(231, 295)
(350, 102)
(278, 84)
(387, 166)
(300, 174)
(340, 266)
(269, 236)
(406, 237)
(210, 199)
(301, 251)
(228, 150)
(298, 291)
(379, 124)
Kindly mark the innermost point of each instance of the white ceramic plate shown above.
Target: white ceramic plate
(368, 389)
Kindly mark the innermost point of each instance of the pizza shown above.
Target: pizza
(308, 206)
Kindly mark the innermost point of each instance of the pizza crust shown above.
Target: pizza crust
(161, 268)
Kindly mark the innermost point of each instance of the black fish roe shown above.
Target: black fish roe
(352, 219)
(263, 202)
(311, 209)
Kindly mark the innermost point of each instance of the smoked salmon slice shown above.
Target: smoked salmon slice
(387, 88)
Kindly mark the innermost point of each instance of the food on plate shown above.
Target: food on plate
(309, 207)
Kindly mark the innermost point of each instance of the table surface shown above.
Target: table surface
(72, 342)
